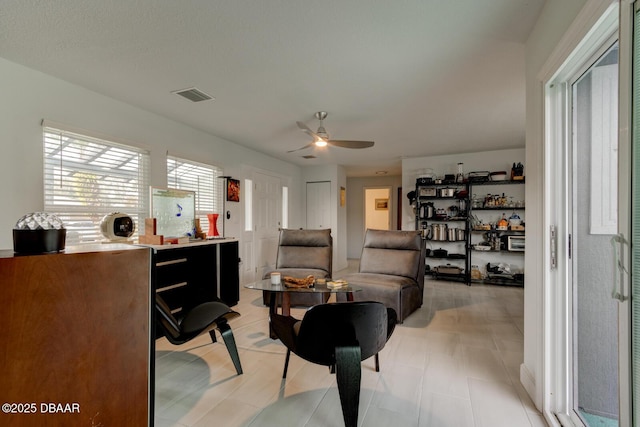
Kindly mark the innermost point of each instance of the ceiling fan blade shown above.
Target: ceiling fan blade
(306, 129)
(350, 144)
(301, 148)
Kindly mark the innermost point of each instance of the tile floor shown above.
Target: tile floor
(453, 363)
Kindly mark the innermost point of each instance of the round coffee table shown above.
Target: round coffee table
(282, 293)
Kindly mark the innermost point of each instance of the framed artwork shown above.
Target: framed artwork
(382, 204)
(233, 190)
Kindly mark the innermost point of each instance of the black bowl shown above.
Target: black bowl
(39, 241)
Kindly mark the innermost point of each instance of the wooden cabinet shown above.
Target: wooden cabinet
(187, 275)
(75, 337)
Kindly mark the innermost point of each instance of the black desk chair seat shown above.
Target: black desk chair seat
(338, 335)
(205, 317)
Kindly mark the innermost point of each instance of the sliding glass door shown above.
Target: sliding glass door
(588, 159)
(594, 189)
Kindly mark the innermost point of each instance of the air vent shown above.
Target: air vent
(193, 94)
(309, 156)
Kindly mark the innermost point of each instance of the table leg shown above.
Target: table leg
(349, 296)
(285, 308)
(286, 304)
(273, 306)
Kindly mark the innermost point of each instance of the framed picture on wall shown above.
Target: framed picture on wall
(382, 204)
(233, 190)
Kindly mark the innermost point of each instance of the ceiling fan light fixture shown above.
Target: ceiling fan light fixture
(321, 138)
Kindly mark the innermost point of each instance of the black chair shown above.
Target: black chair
(338, 335)
(202, 318)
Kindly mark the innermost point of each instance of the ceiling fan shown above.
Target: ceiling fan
(321, 137)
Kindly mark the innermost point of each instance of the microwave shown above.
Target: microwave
(515, 243)
(427, 192)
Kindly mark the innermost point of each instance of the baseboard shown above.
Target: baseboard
(529, 383)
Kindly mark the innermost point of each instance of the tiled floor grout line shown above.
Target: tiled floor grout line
(454, 320)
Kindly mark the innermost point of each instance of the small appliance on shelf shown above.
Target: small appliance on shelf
(478, 176)
(117, 227)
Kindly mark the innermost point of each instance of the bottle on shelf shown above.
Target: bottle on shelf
(503, 223)
(475, 273)
(460, 175)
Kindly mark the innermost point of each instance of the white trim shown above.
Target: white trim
(555, 297)
(592, 12)
(527, 379)
(624, 198)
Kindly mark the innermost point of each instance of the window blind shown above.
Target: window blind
(203, 179)
(86, 178)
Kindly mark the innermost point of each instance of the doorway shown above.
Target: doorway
(267, 205)
(586, 336)
(378, 205)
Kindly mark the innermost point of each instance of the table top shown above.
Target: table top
(265, 285)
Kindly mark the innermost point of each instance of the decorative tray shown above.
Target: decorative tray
(295, 282)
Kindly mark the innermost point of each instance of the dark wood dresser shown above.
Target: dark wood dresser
(76, 337)
(189, 274)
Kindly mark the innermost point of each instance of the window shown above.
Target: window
(601, 121)
(86, 178)
(285, 207)
(201, 178)
(248, 205)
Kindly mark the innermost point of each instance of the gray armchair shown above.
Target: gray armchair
(302, 253)
(391, 271)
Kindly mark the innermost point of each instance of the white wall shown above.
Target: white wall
(555, 18)
(500, 160)
(29, 96)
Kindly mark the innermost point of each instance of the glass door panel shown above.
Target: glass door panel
(594, 217)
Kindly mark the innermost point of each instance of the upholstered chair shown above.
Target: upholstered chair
(302, 253)
(391, 270)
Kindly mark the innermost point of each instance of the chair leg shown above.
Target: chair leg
(230, 342)
(286, 364)
(348, 376)
(212, 334)
(377, 363)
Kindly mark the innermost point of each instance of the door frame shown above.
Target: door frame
(628, 8)
(600, 26)
(248, 242)
(390, 204)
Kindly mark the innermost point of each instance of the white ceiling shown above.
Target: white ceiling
(419, 77)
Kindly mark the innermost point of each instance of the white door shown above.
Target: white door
(318, 205)
(267, 202)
